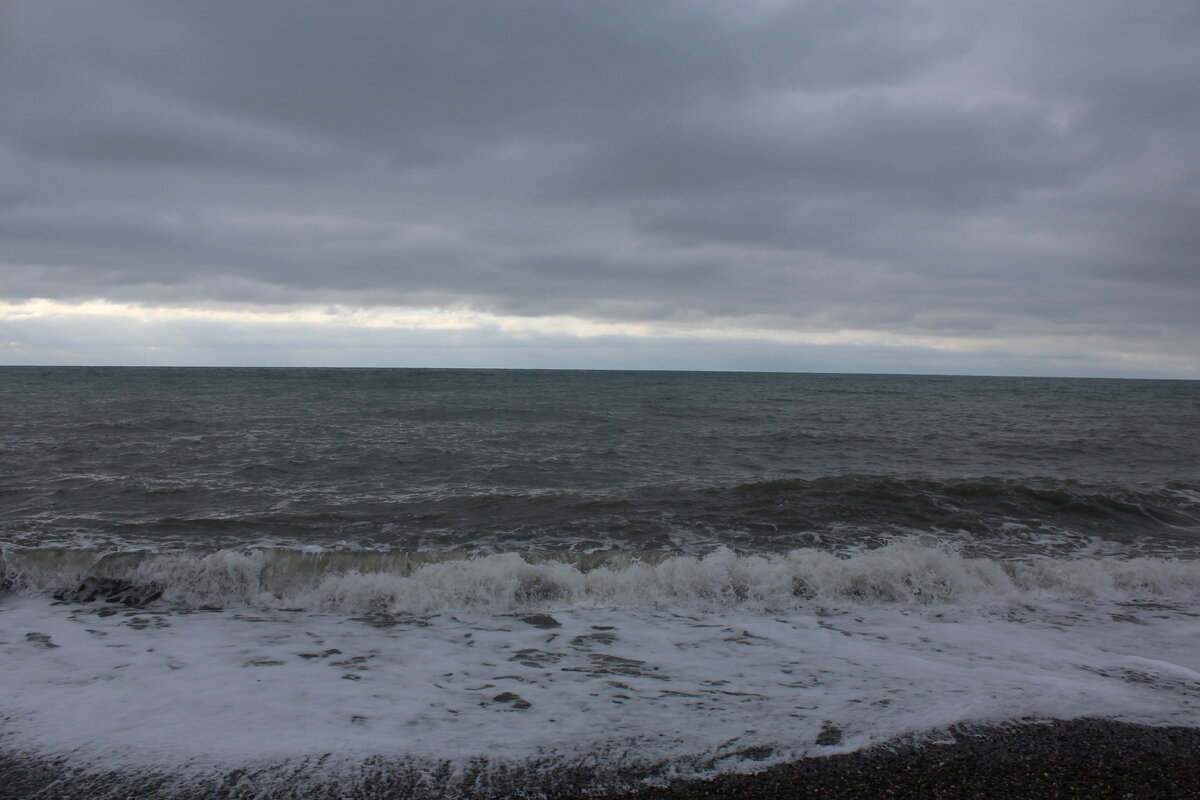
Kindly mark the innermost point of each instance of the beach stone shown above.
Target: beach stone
(830, 735)
(540, 621)
(514, 699)
(40, 638)
(333, 651)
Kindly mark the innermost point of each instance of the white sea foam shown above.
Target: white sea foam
(668, 665)
(687, 690)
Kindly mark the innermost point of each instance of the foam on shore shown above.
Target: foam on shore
(655, 691)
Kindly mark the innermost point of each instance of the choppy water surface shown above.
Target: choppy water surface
(504, 460)
(641, 573)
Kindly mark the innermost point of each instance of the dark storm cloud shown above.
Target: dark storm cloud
(922, 168)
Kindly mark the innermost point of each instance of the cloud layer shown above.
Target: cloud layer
(1016, 180)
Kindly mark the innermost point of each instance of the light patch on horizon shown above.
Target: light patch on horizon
(155, 331)
(465, 319)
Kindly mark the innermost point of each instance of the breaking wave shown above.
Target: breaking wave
(904, 572)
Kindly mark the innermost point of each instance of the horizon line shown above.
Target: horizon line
(595, 369)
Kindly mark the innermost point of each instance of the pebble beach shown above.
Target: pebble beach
(1086, 758)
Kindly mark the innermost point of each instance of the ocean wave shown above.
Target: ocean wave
(979, 503)
(904, 572)
(993, 515)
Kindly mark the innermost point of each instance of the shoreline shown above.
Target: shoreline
(1083, 758)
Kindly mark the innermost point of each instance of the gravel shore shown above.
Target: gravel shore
(1086, 758)
(1078, 759)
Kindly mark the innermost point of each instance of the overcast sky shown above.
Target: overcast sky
(956, 187)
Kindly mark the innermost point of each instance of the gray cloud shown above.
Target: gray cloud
(970, 170)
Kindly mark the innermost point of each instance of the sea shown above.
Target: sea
(475, 580)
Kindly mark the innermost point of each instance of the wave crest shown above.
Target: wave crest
(434, 582)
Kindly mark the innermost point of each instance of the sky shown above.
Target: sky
(962, 187)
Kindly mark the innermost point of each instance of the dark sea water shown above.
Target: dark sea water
(650, 574)
(547, 461)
